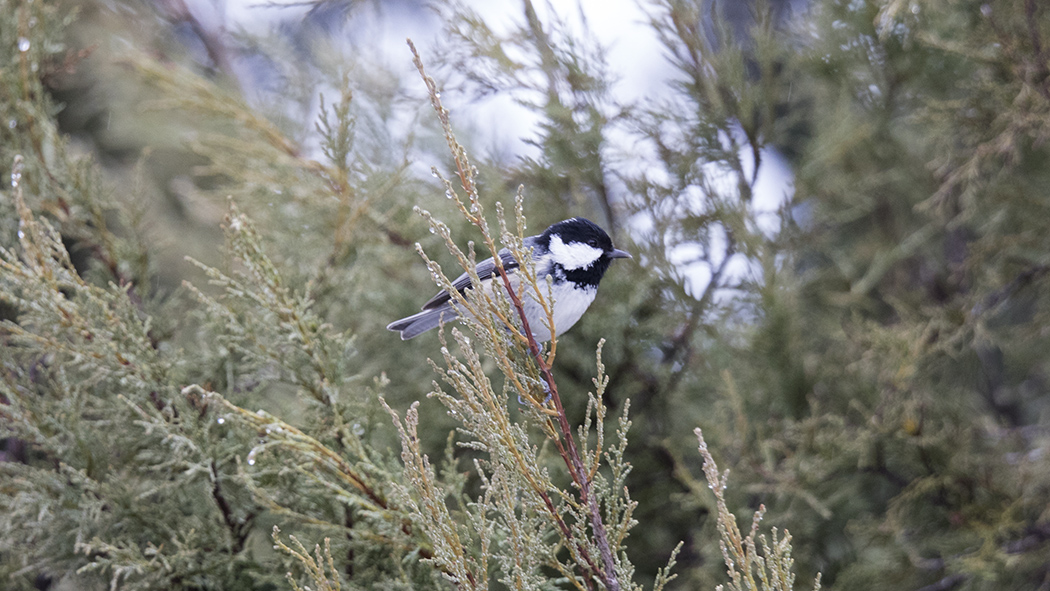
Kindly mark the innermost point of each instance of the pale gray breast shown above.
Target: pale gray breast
(570, 304)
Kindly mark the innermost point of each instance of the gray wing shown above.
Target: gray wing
(440, 309)
(485, 269)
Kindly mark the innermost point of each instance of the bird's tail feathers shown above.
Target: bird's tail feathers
(417, 324)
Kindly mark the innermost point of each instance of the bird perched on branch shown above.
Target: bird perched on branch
(575, 253)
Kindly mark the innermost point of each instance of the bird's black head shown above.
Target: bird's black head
(581, 250)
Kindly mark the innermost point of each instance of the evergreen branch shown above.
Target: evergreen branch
(450, 555)
(292, 438)
(773, 565)
(238, 531)
(564, 441)
(196, 94)
(496, 410)
(320, 568)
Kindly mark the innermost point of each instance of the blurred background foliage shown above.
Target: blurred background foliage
(868, 354)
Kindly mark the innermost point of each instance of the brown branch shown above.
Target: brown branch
(682, 342)
(572, 458)
(237, 530)
(566, 444)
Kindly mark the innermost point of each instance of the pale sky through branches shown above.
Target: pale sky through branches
(635, 59)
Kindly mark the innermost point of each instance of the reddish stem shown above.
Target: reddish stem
(569, 453)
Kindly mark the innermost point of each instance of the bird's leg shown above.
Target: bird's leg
(546, 390)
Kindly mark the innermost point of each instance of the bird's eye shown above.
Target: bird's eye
(593, 242)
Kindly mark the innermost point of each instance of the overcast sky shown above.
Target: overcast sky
(633, 53)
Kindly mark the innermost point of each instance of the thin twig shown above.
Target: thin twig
(566, 444)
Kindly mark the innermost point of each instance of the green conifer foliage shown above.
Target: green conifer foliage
(197, 390)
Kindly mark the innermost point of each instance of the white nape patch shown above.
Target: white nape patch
(574, 255)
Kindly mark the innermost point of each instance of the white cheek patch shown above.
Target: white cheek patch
(575, 255)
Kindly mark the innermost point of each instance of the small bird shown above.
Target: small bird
(575, 253)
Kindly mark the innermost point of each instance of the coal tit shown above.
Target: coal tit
(575, 253)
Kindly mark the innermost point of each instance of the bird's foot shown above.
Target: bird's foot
(546, 399)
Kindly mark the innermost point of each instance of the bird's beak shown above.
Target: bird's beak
(620, 254)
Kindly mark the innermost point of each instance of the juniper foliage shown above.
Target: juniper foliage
(868, 359)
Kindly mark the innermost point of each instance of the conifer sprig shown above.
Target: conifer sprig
(751, 561)
(582, 520)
